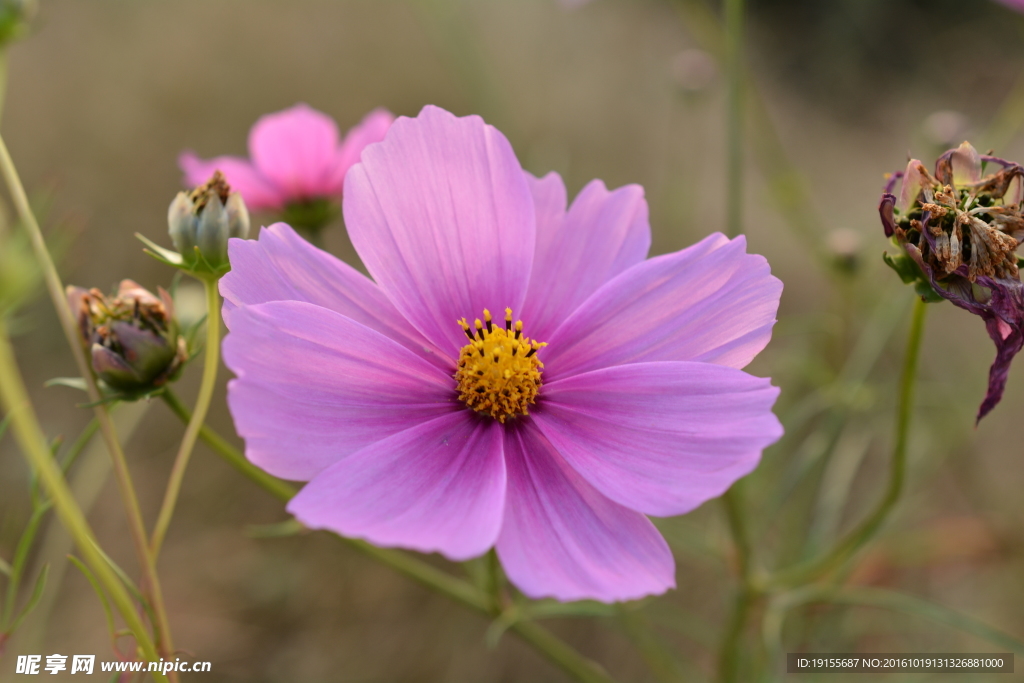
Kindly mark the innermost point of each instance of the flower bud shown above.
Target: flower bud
(200, 223)
(132, 337)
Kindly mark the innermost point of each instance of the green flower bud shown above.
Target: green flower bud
(200, 223)
(132, 337)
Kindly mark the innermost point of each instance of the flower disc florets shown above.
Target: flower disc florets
(959, 217)
(499, 372)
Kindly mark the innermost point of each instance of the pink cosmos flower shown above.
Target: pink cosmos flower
(616, 394)
(296, 157)
(1013, 4)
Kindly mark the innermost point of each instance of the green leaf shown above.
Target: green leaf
(37, 594)
(99, 593)
(904, 266)
(73, 382)
(4, 424)
(5, 568)
(168, 256)
(21, 553)
(289, 527)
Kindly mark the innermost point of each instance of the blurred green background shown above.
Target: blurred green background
(104, 95)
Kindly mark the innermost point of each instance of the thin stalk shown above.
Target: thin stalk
(281, 490)
(734, 117)
(557, 651)
(188, 441)
(3, 78)
(728, 657)
(33, 444)
(68, 324)
(864, 531)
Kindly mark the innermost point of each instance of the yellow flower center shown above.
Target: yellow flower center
(499, 372)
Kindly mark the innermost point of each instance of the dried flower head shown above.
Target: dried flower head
(960, 229)
(132, 337)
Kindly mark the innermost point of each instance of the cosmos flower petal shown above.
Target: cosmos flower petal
(436, 487)
(660, 438)
(372, 128)
(441, 215)
(314, 386)
(711, 302)
(295, 150)
(562, 539)
(240, 175)
(603, 233)
(281, 266)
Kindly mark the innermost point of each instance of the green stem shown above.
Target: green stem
(68, 324)
(281, 490)
(734, 117)
(728, 657)
(33, 444)
(556, 650)
(188, 441)
(864, 531)
(729, 654)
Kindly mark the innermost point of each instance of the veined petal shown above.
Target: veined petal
(711, 302)
(295, 149)
(442, 217)
(660, 438)
(603, 233)
(372, 128)
(243, 178)
(439, 486)
(281, 266)
(562, 539)
(314, 386)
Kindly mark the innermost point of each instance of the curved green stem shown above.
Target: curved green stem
(33, 444)
(68, 324)
(728, 657)
(864, 531)
(734, 117)
(557, 651)
(281, 490)
(188, 441)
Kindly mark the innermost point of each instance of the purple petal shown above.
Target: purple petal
(314, 386)
(441, 215)
(562, 539)
(885, 212)
(913, 182)
(660, 438)
(966, 165)
(243, 178)
(295, 150)
(711, 302)
(281, 266)
(603, 234)
(372, 128)
(438, 486)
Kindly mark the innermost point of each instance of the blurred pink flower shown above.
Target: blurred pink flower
(418, 429)
(1013, 4)
(295, 157)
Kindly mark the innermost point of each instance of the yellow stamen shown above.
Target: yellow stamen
(499, 372)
